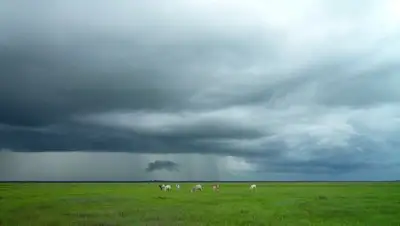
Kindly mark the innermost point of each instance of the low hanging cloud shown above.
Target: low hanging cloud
(309, 90)
(162, 165)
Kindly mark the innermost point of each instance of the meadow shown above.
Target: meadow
(108, 204)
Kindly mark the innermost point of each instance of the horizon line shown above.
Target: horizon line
(187, 181)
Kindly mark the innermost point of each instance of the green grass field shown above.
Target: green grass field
(375, 204)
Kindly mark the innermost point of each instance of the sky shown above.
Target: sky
(199, 90)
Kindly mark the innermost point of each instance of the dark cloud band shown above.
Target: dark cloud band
(162, 165)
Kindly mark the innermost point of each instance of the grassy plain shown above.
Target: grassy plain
(107, 204)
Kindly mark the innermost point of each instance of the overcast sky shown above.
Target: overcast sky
(199, 89)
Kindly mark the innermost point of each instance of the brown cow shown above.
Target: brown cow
(215, 187)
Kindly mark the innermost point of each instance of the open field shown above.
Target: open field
(41, 204)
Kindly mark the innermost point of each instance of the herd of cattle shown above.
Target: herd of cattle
(198, 187)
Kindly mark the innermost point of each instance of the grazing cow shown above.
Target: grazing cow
(161, 186)
(178, 186)
(253, 187)
(167, 187)
(197, 187)
(215, 187)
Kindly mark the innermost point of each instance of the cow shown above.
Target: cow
(161, 186)
(197, 187)
(167, 187)
(178, 186)
(253, 187)
(215, 187)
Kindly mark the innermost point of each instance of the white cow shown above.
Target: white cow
(167, 187)
(197, 187)
(178, 186)
(253, 187)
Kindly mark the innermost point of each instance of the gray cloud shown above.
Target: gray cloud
(310, 91)
(162, 165)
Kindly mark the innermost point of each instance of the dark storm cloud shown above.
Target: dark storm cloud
(38, 92)
(202, 77)
(162, 165)
(44, 84)
(100, 139)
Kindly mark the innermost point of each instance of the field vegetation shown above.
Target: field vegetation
(109, 204)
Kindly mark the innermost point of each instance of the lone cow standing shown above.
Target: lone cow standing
(215, 187)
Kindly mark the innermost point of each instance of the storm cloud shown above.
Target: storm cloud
(162, 165)
(299, 88)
